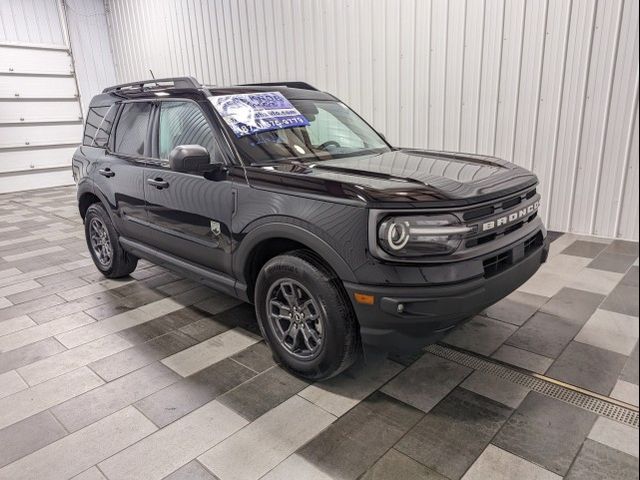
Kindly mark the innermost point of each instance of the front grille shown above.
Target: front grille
(489, 212)
(494, 265)
(533, 243)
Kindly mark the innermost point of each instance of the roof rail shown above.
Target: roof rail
(178, 82)
(301, 85)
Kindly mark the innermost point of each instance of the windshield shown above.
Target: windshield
(333, 131)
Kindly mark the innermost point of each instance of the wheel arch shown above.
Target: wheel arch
(272, 239)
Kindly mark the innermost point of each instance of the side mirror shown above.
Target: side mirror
(189, 158)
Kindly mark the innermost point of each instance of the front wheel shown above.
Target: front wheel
(102, 240)
(305, 317)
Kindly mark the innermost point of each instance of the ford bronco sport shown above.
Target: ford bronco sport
(280, 195)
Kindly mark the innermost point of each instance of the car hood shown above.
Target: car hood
(401, 176)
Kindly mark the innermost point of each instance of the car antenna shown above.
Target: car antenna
(153, 76)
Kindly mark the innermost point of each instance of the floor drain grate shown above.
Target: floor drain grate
(593, 402)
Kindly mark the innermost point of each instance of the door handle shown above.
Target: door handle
(159, 183)
(106, 172)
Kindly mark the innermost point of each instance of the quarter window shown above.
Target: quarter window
(184, 123)
(131, 131)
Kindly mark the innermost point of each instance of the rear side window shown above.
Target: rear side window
(104, 130)
(183, 123)
(131, 131)
(95, 119)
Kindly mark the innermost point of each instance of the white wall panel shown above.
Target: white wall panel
(548, 84)
(30, 21)
(89, 38)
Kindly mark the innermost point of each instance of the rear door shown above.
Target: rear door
(190, 215)
(119, 172)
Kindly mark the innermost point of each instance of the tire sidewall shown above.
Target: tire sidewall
(97, 210)
(332, 309)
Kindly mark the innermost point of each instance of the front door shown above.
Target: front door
(190, 215)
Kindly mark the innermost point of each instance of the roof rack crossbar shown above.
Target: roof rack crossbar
(178, 82)
(301, 85)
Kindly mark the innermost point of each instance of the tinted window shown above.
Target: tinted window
(183, 123)
(94, 120)
(131, 131)
(104, 130)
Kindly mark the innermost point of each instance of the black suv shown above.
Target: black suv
(280, 195)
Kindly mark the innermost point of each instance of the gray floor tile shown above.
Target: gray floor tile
(495, 388)
(517, 308)
(616, 435)
(168, 449)
(631, 277)
(546, 431)
(394, 464)
(190, 393)
(100, 402)
(81, 304)
(623, 299)
(481, 335)
(79, 451)
(213, 324)
(523, 358)
(573, 304)
(358, 439)
(612, 262)
(44, 291)
(204, 329)
(426, 382)
(545, 334)
(623, 247)
(191, 471)
(589, 367)
(582, 248)
(455, 432)
(257, 357)
(610, 330)
(262, 393)
(28, 435)
(498, 464)
(138, 356)
(596, 461)
(630, 371)
(30, 307)
(31, 353)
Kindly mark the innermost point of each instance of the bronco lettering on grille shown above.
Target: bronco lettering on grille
(512, 217)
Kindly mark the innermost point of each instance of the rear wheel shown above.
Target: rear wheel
(305, 316)
(102, 240)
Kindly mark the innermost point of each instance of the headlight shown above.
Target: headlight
(415, 236)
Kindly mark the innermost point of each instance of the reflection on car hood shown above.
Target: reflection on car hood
(406, 176)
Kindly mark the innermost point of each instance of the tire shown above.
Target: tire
(120, 263)
(300, 276)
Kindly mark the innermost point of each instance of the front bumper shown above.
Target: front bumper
(405, 319)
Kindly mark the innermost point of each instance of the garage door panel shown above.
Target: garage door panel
(35, 61)
(36, 135)
(16, 160)
(16, 112)
(19, 86)
(16, 183)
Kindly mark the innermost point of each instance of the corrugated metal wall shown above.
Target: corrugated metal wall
(548, 84)
(40, 115)
(91, 49)
(40, 84)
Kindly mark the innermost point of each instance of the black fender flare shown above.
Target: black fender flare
(279, 229)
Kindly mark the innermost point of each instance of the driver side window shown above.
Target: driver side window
(183, 123)
(326, 127)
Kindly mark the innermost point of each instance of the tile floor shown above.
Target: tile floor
(156, 377)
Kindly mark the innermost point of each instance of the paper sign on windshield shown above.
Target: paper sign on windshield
(251, 113)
